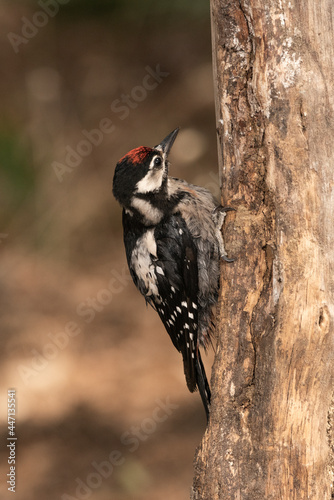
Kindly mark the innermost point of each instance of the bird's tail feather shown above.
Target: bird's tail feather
(203, 385)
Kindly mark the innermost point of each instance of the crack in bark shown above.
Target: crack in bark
(266, 281)
(252, 101)
(330, 440)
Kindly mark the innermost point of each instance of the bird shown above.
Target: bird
(173, 244)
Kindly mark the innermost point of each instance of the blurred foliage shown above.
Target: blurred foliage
(133, 477)
(130, 8)
(16, 172)
(61, 244)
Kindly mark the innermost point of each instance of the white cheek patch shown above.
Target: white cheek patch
(151, 182)
(153, 179)
(150, 213)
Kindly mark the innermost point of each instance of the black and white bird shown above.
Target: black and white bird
(173, 244)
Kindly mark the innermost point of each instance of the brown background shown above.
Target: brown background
(61, 245)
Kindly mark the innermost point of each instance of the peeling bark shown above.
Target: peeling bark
(270, 433)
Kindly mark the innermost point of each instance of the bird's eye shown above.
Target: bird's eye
(157, 161)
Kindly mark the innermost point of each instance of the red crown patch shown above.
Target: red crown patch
(137, 155)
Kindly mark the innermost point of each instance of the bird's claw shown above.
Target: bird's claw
(227, 259)
(224, 209)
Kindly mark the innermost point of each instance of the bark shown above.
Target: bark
(269, 435)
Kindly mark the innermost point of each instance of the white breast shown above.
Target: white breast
(142, 262)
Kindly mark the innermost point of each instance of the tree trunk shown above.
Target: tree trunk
(269, 435)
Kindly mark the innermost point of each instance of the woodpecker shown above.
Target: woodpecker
(173, 244)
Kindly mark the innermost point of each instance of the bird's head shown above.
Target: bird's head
(142, 171)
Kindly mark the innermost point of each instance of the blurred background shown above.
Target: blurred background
(102, 406)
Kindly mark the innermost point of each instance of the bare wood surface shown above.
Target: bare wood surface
(270, 430)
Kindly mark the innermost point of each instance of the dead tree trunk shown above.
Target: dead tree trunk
(270, 431)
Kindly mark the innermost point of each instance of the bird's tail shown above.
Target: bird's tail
(203, 385)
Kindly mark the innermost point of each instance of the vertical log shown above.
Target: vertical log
(273, 373)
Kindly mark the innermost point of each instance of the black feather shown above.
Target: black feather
(175, 274)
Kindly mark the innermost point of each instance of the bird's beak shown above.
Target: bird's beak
(166, 145)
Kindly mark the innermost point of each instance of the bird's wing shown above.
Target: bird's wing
(176, 274)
